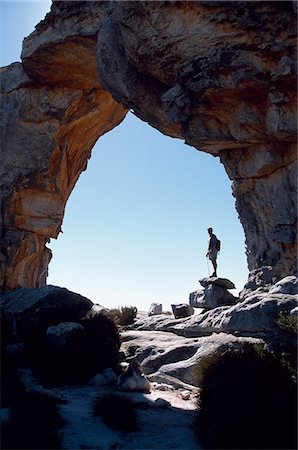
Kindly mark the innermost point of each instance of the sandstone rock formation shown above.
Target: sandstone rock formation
(256, 316)
(217, 281)
(169, 349)
(167, 358)
(155, 308)
(133, 379)
(54, 111)
(214, 294)
(58, 333)
(57, 337)
(182, 310)
(211, 297)
(220, 75)
(27, 313)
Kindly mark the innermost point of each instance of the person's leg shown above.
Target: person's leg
(214, 264)
(215, 268)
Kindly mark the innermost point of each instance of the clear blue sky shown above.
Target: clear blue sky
(135, 227)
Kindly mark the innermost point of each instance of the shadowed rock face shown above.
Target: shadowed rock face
(54, 111)
(220, 75)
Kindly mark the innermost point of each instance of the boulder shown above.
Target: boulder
(155, 308)
(211, 297)
(185, 395)
(162, 403)
(58, 337)
(216, 281)
(288, 285)
(69, 338)
(29, 312)
(133, 379)
(182, 310)
(259, 280)
(72, 353)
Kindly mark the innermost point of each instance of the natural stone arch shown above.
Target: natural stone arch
(218, 74)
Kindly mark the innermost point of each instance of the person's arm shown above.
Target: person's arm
(212, 243)
(208, 251)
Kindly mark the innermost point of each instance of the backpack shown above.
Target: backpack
(217, 246)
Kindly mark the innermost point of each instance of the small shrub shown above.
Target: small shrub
(86, 353)
(247, 401)
(102, 343)
(128, 315)
(33, 423)
(287, 323)
(123, 316)
(115, 315)
(117, 412)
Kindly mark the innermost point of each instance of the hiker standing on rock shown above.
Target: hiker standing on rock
(213, 249)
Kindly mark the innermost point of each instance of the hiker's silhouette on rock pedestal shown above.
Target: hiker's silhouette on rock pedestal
(214, 294)
(213, 249)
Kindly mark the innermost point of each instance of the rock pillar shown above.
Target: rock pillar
(54, 110)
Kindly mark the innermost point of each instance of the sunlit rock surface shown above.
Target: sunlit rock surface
(257, 315)
(220, 75)
(54, 111)
(169, 358)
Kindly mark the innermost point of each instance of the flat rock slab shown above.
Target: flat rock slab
(211, 297)
(170, 359)
(216, 281)
(256, 316)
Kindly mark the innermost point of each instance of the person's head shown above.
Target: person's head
(210, 231)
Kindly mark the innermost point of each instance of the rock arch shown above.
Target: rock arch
(220, 75)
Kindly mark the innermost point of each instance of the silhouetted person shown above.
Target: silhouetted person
(213, 249)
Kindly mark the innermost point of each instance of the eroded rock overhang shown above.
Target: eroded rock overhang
(54, 111)
(220, 75)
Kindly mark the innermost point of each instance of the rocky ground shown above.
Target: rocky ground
(165, 417)
(167, 349)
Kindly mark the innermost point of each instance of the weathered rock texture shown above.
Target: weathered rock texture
(63, 335)
(220, 75)
(54, 110)
(214, 294)
(258, 316)
(169, 358)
